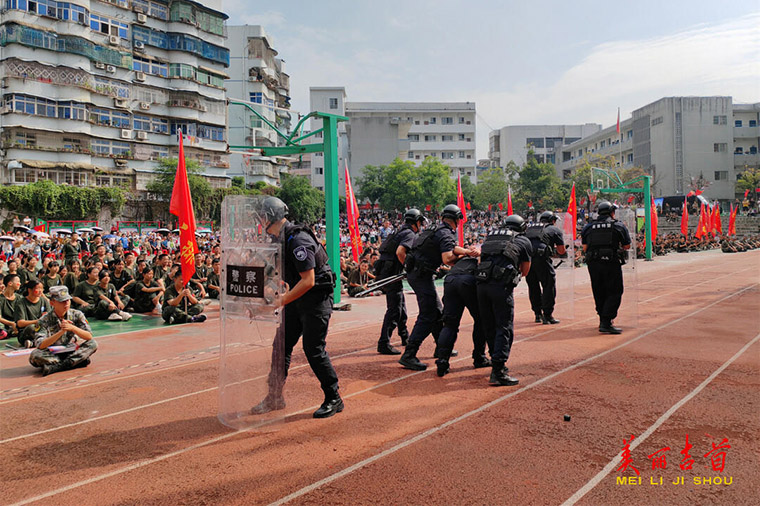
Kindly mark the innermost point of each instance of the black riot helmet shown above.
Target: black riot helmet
(515, 222)
(413, 216)
(605, 208)
(452, 212)
(273, 209)
(547, 217)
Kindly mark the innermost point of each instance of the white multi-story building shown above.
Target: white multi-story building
(680, 139)
(94, 91)
(256, 76)
(512, 143)
(331, 100)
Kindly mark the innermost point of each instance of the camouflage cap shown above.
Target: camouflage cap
(60, 293)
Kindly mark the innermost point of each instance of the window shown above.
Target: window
(153, 67)
(108, 117)
(413, 137)
(738, 150)
(753, 123)
(151, 124)
(721, 175)
(461, 120)
(410, 155)
(629, 134)
(536, 142)
(432, 121)
(447, 155)
(108, 26)
(461, 137)
(447, 120)
(461, 154)
(333, 103)
(738, 123)
(417, 122)
(257, 97)
(720, 147)
(719, 120)
(601, 144)
(447, 138)
(630, 158)
(430, 138)
(657, 121)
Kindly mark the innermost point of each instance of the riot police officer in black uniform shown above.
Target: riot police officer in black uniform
(546, 239)
(391, 263)
(460, 291)
(504, 257)
(431, 248)
(308, 307)
(604, 242)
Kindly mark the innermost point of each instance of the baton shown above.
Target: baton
(559, 263)
(381, 283)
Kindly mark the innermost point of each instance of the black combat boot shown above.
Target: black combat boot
(606, 327)
(539, 318)
(333, 404)
(480, 362)
(549, 319)
(443, 367)
(387, 349)
(409, 359)
(499, 376)
(272, 402)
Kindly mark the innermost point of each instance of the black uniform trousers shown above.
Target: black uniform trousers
(497, 310)
(395, 316)
(430, 316)
(309, 318)
(460, 291)
(607, 286)
(542, 286)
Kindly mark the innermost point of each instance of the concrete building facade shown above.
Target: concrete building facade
(331, 100)
(512, 143)
(257, 76)
(94, 92)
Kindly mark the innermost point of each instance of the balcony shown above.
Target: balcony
(748, 159)
(746, 132)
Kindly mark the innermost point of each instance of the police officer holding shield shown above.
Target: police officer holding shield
(546, 239)
(308, 307)
(604, 242)
(391, 263)
(504, 257)
(431, 248)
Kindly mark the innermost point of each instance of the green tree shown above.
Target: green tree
(371, 185)
(163, 184)
(305, 203)
(492, 188)
(238, 182)
(434, 185)
(749, 180)
(47, 200)
(539, 183)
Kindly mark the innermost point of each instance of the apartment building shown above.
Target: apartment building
(94, 92)
(512, 143)
(257, 76)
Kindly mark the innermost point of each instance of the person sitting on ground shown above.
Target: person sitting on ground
(214, 285)
(62, 327)
(180, 304)
(121, 280)
(72, 249)
(51, 277)
(148, 293)
(28, 311)
(8, 300)
(161, 268)
(110, 306)
(29, 271)
(359, 278)
(71, 279)
(86, 293)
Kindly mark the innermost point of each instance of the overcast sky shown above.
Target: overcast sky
(526, 62)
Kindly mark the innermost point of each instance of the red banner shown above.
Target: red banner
(654, 221)
(572, 208)
(181, 206)
(732, 220)
(685, 218)
(460, 203)
(717, 224)
(510, 212)
(353, 218)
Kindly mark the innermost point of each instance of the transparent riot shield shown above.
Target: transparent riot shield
(250, 280)
(628, 314)
(564, 267)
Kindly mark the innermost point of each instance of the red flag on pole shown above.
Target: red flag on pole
(468, 206)
(702, 227)
(510, 212)
(530, 204)
(746, 192)
(428, 207)
(501, 206)
(685, 218)
(572, 208)
(699, 192)
(352, 210)
(732, 220)
(630, 199)
(717, 225)
(654, 221)
(181, 206)
(489, 207)
(460, 204)
(690, 194)
(617, 129)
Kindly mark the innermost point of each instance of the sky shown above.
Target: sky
(522, 63)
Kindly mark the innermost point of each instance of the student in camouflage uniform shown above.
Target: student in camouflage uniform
(180, 304)
(62, 327)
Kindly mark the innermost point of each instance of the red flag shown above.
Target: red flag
(352, 211)
(654, 221)
(717, 224)
(699, 192)
(181, 206)
(690, 194)
(530, 203)
(501, 207)
(746, 192)
(685, 218)
(40, 228)
(630, 199)
(460, 204)
(583, 201)
(489, 207)
(732, 220)
(572, 208)
(468, 206)
(510, 211)
(428, 207)
(617, 129)
(702, 227)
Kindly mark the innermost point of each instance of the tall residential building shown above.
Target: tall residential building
(680, 139)
(94, 92)
(256, 76)
(512, 143)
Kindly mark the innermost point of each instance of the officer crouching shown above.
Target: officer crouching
(604, 243)
(308, 307)
(504, 258)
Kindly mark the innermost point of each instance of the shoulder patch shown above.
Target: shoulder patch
(300, 253)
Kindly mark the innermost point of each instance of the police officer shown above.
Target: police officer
(504, 257)
(460, 291)
(308, 307)
(546, 239)
(430, 248)
(604, 241)
(391, 262)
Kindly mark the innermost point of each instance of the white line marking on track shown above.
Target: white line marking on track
(593, 482)
(369, 460)
(430, 432)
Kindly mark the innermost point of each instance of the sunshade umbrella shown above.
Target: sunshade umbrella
(85, 230)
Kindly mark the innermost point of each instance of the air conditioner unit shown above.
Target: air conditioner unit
(126, 134)
(143, 136)
(120, 102)
(144, 106)
(4, 82)
(110, 68)
(113, 40)
(99, 65)
(139, 76)
(139, 46)
(141, 18)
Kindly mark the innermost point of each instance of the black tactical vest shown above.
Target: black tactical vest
(424, 255)
(323, 275)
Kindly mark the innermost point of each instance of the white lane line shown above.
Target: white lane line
(367, 461)
(430, 432)
(211, 389)
(593, 482)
